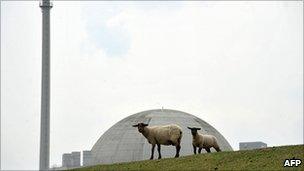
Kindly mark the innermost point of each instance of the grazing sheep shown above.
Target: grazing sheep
(203, 141)
(161, 135)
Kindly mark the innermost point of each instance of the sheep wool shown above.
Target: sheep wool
(201, 141)
(161, 135)
(205, 141)
(165, 135)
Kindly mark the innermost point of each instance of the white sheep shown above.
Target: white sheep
(161, 135)
(203, 141)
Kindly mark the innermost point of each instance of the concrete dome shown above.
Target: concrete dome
(123, 143)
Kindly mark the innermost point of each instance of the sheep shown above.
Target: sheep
(161, 135)
(203, 141)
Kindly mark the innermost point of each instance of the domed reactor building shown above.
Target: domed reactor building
(123, 143)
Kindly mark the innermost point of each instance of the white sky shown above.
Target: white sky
(236, 65)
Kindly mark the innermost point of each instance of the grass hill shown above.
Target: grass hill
(271, 158)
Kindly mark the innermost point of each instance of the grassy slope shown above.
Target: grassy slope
(267, 159)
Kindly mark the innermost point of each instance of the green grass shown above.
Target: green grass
(261, 159)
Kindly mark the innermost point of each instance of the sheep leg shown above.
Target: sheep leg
(194, 149)
(178, 147)
(158, 149)
(199, 150)
(218, 149)
(152, 152)
(208, 150)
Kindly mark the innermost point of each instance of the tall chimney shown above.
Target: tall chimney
(44, 158)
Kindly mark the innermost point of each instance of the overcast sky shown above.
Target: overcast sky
(236, 65)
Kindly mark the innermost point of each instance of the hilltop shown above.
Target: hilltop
(271, 158)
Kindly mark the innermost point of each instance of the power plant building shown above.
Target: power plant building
(67, 160)
(252, 145)
(71, 160)
(123, 143)
(75, 159)
(86, 158)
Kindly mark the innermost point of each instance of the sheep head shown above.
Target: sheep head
(140, 127)
(194, 130)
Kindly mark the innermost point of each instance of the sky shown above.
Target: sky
(236, 65)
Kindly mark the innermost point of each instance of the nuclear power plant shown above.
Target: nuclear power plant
(123, 143)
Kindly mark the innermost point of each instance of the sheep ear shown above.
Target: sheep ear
(189, 127)
(198, 128)
(145, 124)
(135, 125)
